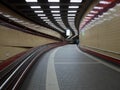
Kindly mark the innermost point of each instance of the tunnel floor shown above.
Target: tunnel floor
(68, 68)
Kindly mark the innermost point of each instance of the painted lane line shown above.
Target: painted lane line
(51, 78)
(3, 84)
(98, 60)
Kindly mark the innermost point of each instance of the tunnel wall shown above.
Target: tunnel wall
(104, 37)
(13, 42)
(27, 23)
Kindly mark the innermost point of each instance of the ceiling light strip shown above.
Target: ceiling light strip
(75, 1)
(53, 0)
(35, 7)
(54, 7)
(98, 9)
(31, 0)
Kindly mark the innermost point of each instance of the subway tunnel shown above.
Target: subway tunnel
(59, 44)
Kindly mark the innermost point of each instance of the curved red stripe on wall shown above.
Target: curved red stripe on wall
(10, 60)
(105, 7)
(108, 58)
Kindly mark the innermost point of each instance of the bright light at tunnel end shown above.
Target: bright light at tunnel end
(67, 32)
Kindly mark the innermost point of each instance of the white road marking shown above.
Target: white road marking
(4, 83)
(51, 79)
(98, 60)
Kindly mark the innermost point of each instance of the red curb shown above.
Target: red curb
(10, 60)
(108, 58)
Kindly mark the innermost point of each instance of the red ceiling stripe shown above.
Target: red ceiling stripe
(106, 7)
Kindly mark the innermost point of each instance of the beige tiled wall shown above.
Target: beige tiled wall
(104, 36)
(10, 37)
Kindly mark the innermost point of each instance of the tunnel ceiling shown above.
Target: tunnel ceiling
(58, 15)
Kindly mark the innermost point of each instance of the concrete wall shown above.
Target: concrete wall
(13, 41)
(103, 36)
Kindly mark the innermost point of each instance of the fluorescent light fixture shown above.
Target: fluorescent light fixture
(72, 11)
(71, 20)
(57, 17)
(44, 17)
(55, 11)
(95, 12)
(96, 7)
(71, 14)
(73, 6)
(31, 0)
(53, 0)
(71, 17)
(76, 1)
(54, 6)
(56, 14)
(67, 32)
(34, 7)
(38, 11)
(90, 15)
(105, 2)
(46, 20)
(58, 20)
(41, 14)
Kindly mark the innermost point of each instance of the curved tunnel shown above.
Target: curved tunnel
(59, 44)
